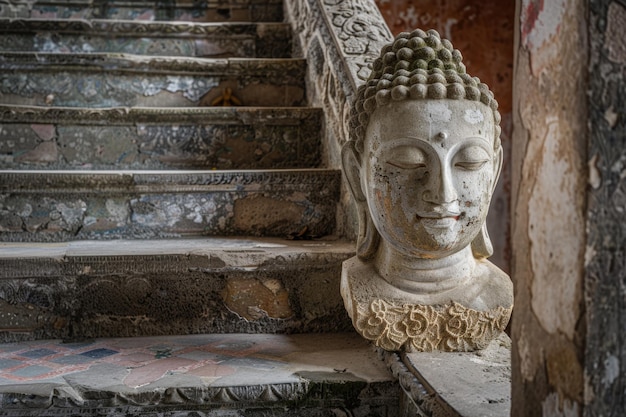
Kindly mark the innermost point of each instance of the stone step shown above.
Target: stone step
(87, 289)
(114, 80)
(216, 375)
(159, 138)
(252, 40)
(160, 10)
(73, 205)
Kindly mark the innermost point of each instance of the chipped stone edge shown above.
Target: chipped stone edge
(104, 27)
(291, 68)
(127, 115)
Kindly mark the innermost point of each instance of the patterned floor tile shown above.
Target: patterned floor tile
(71, 359)
(9, 363)
(99, 353)
(32, 371)
(154, 371)
(38, 353)
(217, 360)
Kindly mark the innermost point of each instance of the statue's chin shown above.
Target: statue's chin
(432, 248)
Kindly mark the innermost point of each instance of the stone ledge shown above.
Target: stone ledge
(455, 384)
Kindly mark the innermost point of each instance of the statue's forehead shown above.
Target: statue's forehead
(429, 117)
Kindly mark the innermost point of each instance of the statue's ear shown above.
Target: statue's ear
(352, 168)
(482, 246)
(497, 168)
(368, 237)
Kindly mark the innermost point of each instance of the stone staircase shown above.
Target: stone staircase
(162, 174)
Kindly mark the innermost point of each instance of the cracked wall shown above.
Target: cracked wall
(567, 202)
(548, 202)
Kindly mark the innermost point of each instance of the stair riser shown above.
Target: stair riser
(156, 39)
(205, 140)
(206, 11)
(87, 297)
(107, 81)
(49, 206)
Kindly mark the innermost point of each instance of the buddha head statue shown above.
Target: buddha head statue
(422, 163)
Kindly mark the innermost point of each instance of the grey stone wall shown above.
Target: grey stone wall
(605, 260)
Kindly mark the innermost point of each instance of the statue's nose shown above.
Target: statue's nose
(440, 190)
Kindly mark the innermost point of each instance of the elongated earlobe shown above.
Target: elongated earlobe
(481, 245)
(352, 170)
(368, 237)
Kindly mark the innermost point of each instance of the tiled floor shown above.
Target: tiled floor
(217, 360)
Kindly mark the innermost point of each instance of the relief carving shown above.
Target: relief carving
(360, 30)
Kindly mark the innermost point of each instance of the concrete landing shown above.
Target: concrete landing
(460, 384)
(211, 374)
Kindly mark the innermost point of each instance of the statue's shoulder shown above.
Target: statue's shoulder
(496, 287)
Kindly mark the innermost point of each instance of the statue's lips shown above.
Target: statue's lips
(435, 220)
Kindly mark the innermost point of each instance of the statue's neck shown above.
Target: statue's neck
(421, 275)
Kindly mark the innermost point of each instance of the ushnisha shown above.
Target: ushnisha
(422, 164)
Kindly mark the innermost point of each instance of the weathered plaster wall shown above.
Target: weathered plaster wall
(605, 260)
(549, 178)
(483, 32)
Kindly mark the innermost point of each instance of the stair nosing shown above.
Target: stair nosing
(95, 182)
(87, 25)
(133, 115)
(151, 64)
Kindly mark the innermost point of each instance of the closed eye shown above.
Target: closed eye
(407, 157)
(406, 164)
(471, 158)
(470, 165)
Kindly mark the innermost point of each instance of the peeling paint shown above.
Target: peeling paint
(555, 223)
(611, 117)
(611, 370)
(615, 41)
(595, 178)
(438, 111)
(44, 132)
(523, 349)
(590, 253)
(588, 393)
(473, 116)
(555, 406)
(541, 22)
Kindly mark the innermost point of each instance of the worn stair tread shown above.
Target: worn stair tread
(103, 61)
(46, 205)
(111, 80)
(208, 11)
(181, 372)
(171, 286)
(159, 138)
(101, 181)
(215, 253)
(192, 39)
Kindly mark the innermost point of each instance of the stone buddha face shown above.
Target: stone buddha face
(427, 174)
(425, 153)
(422, 163)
